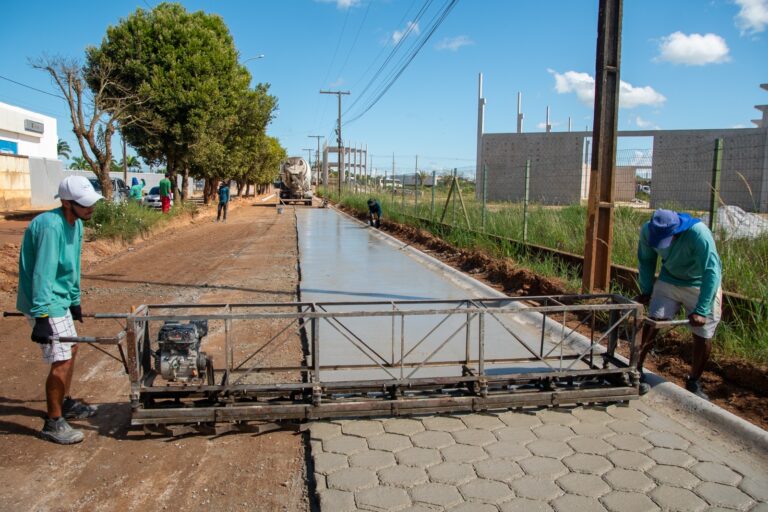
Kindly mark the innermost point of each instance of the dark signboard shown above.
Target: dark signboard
(33, 126)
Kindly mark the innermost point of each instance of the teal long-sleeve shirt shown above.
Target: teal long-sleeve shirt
(49, 265)
(691, 260)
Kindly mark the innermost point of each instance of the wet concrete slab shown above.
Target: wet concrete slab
(346, 261)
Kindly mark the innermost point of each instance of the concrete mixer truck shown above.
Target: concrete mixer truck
(295, 181)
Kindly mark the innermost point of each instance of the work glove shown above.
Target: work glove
(697, 320)
(77, 312)
(643, 299)
(42, 331)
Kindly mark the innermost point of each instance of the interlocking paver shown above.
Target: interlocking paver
(714, 472)
(667, 440)
(630, 460)
(583, 485)
(507, 450)
(629, 427)
(390, 442)
(554, 449)
(452, 473)
(372, 459)
(557, 417)
(443, 423)
(419, 457)
(675, 498)
(362, 428)
(553, 432)
(352, 479)
(382, 498)
(326, 463)
(520, 435)
(517, 419)
(345, 444)
(321, 430)
(702, 454)
(592, 429)
(489, 491)
(590, 445)
(574, 503)
(626, 413)
(405, 426)
(463, 453)
(484, 421)
(473, 506)
(628, 502)
(629, 442)
(436, 494)
(671, 457)
(432, 439)
(535, 488)
(525, 505)
(673, 476)
(627, 480)
(760, 507)
(403, 476)
(474, 436)
(543, 467)
(341, 501)
(419, 507)
(592, 415)
(592, 464)
(724, 495)
(758, 489)
(498, 469)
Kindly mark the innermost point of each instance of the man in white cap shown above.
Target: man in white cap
(690, 277)
(49, 295)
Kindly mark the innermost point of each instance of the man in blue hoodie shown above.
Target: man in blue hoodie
(690, 277)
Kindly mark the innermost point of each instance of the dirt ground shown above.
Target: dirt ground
(738, 386)
(251, 258)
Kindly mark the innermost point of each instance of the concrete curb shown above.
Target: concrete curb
(730, 424)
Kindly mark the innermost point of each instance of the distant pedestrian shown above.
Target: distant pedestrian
(136, 189)
(165, 193)
(223, 193)
(690, 277)
(374, 213)
(49, 296)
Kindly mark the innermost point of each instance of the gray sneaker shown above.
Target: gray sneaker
(60, 432)
(75, 409)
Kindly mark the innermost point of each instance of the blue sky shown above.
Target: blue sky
(685, 64)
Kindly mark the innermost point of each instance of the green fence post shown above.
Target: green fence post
(715, 192)
(485, 191)
(527, 197)
(453, 204)
(432, 210)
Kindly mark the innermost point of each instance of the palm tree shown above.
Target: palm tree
(63, 149)
(134, 164)
(79, 162)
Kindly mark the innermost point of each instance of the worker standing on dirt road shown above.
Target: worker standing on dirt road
(374, 210)
(690, 276)
(49, 295)
(165, 193)
(223, 200)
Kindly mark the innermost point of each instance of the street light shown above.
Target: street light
(260, 56)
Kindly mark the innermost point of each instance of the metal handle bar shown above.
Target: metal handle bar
(661, 324)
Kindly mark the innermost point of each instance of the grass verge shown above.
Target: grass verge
(128, 220)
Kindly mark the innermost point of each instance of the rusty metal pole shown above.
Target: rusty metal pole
(599, 235)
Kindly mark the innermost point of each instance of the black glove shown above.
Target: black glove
(642, 299)
(77, 312)
(42, 331)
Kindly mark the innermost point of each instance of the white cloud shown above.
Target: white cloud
(752, 16)
(693, 49)
(454, 43)
(337, 83)
(643, 124)
(341, 4)
(397, 35)
(583, 85)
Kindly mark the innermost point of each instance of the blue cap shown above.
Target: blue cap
(665, 224)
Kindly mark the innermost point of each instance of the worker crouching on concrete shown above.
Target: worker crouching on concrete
(690, 277)
(49, 296)
(374, 213)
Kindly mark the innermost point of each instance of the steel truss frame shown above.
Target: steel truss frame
(578, 356)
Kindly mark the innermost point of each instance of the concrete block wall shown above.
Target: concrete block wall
(556, 166)
(15, 188)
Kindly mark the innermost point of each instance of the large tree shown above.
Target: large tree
(185, 66)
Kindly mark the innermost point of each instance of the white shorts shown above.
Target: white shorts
(667, 299)
(63, 327)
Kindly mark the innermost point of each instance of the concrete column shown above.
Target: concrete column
(480, 130)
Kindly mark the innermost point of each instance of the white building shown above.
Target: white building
(26, 133)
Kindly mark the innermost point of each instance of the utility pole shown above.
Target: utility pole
(309, 155)
(338, 135)
(317, 157)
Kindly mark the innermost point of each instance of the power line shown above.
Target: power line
(33, 88)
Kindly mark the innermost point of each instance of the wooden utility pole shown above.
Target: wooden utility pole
(317, 158)
(339, 143)
(599, 235)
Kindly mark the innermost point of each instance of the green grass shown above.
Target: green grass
(128, 220)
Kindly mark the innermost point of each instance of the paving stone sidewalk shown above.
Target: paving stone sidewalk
(616, 458)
